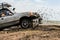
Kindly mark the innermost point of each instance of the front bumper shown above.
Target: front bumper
(37, 21)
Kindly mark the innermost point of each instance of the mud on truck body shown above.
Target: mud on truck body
(24, 19)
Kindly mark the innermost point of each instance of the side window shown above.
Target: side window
(5, 13)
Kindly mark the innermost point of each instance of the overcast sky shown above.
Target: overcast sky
(28, 5)
(34, 5)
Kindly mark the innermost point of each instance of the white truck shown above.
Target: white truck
(25, 19)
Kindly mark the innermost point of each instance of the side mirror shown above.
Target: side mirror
(13, 9)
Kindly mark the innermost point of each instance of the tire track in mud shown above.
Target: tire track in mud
(43, 28)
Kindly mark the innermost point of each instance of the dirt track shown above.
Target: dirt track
(39, 33)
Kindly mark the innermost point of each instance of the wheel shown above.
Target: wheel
(25, 23)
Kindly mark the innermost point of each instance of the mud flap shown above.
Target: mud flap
(35, 22)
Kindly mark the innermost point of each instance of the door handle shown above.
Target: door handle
(2, 18)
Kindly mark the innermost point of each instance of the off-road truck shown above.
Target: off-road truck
(25, 19)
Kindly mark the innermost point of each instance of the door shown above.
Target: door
(8, 20)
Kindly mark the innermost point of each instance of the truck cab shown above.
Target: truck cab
(24, 19)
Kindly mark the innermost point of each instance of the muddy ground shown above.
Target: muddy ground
(38, 33)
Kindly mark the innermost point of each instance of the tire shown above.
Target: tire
(25, 23)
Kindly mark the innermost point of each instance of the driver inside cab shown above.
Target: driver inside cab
(3, 14)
